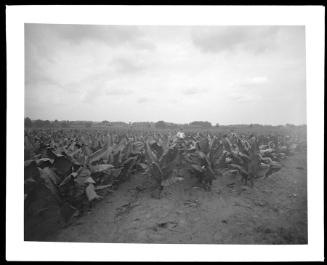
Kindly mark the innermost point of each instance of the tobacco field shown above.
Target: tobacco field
(165, 186)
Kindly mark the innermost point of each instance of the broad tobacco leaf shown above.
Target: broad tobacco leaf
(44, 162)
(157, 149)
(91, 194)
(150, 156)
(169, 157)
(203, 145)
(31, 170)
(156, 172)
(101, 153)
(101, 167)
(51, 180)
(62, 166)
(227, 145)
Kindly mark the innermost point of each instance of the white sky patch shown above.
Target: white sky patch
(178, 74)
(258, 80)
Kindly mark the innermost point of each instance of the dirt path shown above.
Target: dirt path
(273, 212)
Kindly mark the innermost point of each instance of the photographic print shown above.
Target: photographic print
(165, 134)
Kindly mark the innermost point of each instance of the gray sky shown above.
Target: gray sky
(226, 75)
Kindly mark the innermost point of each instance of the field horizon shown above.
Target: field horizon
(211, 124)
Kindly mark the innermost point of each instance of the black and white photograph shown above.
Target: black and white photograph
(165, 134)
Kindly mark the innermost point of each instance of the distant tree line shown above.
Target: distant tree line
(87, 124)
(37, 123)
(201, 124)
(146, 125)
(55, 124)
(193, 124)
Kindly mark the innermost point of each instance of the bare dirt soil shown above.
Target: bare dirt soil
(274, 211)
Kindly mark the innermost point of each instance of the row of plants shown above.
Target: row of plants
(66, 171)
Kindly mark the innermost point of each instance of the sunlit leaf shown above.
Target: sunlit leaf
(91, 194)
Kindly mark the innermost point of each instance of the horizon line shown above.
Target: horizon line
(186, 123)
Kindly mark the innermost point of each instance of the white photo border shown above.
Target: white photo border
(312, 17)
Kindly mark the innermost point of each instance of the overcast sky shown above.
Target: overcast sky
(226, 75)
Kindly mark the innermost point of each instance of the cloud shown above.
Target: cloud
(91, 95)
(110, 35)
(232, 38)
(255, 81)
(258, 80)
(117, 91)
(243, 98)
(143, 100)
(76, 34)
(35, 76)
(111, 72)
(92, 91)
(193, 91)
(127, 66)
